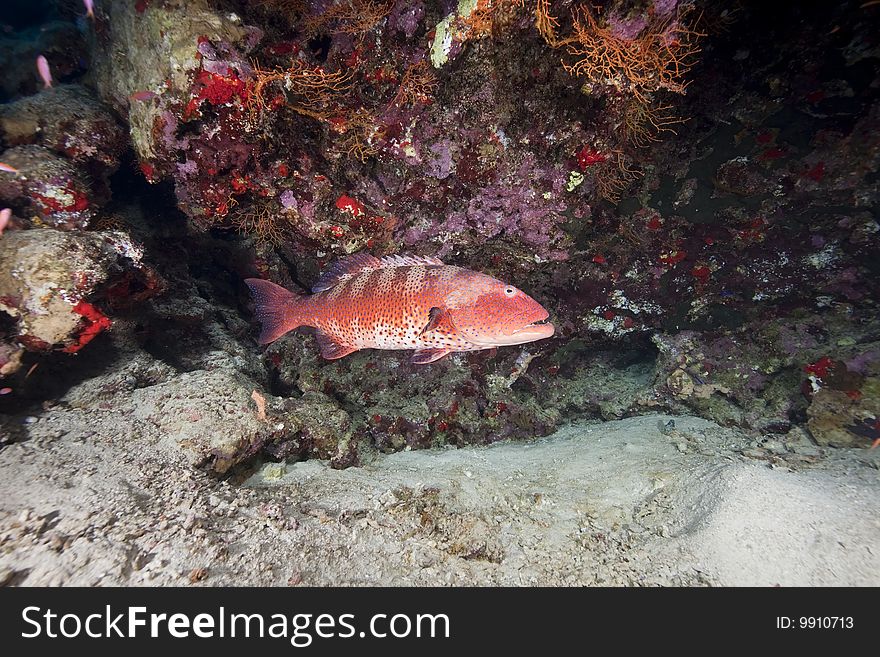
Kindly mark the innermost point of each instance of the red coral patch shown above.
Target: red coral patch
(820, 368)
(588, 156)
(96, 321)
(348, 204)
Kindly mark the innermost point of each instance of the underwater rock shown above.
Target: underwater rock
(48, 189)
(754, 376)
(70, 121)
(321, 429)
(161, 90)
(391, 405)
(210, 415)
(165, 38)
(49, 280)
(742, 177)
(838, 419)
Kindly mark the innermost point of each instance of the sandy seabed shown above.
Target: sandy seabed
(640, 501)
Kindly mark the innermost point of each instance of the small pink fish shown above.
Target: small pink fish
(402, 302)
(45, 73)
(142, 95)
(5, 391)
(7, 168)
(5, 216)
(90, 8)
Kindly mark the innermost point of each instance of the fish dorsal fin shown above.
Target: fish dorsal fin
(347, 267)
(409, 260)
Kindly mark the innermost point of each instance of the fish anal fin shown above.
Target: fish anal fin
(330, 348)
(439, 320)
(425, 356)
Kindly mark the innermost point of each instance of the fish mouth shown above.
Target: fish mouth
(543, 321)
(537, 330)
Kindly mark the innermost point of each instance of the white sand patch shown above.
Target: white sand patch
(617, 503)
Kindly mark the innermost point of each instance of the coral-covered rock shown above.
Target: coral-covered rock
(47, 189)
(165, 39)
(765, 374)
(321, 429)
(183, 94)
(70, 121)
(50, 281)
(839, 419)
(378, 400)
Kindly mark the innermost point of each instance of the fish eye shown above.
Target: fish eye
(509, 291)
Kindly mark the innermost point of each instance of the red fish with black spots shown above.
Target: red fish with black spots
(402, 302)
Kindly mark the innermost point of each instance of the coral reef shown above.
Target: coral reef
(697, 209)
(183, 98)
(64, 145)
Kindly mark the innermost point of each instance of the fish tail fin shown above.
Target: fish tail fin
(277, 309)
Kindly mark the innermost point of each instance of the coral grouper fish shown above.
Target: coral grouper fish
(402, 302)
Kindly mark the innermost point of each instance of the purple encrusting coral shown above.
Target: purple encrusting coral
(627, 28)
(407, 16)
(512, 210)
(225, 60)
(665, 7)
(441, 165)
(288, 200)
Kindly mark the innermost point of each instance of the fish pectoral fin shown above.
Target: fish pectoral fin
(330, 348)
(425, 356)
(439, 320)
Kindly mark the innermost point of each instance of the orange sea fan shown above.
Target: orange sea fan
(657, 58)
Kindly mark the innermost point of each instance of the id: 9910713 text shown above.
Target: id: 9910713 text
(814, 622)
